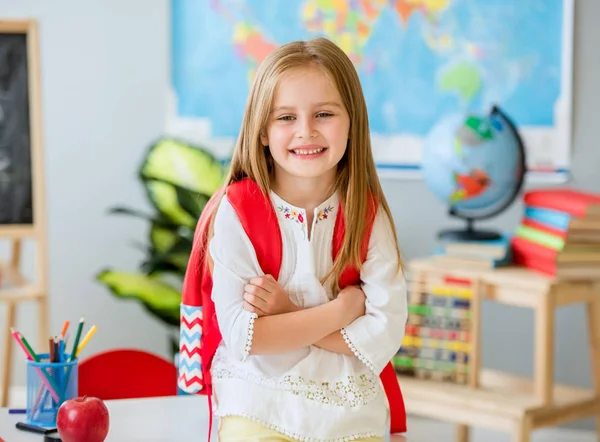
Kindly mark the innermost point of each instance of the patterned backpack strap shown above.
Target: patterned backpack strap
(196, 282)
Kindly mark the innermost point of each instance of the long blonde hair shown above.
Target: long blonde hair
(356, 175)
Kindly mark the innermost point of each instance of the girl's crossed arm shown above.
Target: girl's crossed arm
(234, 265)
(265, 296)
(374, 337)
(377, 336)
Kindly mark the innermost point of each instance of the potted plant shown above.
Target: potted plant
(179, 178)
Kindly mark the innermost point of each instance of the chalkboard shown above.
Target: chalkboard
(16, 196)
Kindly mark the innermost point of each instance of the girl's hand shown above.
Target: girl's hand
(352, 303)
(264, 296)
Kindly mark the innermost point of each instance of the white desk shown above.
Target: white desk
(167, 419)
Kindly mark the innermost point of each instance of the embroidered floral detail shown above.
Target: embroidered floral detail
(324, 213)
(293, 215)
(353, 391)
(249, 335)
(294, 435)
(356, 352)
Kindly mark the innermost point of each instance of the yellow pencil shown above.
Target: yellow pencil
(85, 340)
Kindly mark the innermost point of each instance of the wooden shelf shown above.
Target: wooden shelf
(506, 275)
(514, 285)
(500, 400)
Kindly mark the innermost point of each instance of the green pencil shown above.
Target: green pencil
(77, 337)
(29, 349)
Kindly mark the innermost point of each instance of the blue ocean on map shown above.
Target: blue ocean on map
(417, 60)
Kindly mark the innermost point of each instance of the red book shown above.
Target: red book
(531, 250)
(576, 203)
(535, 263)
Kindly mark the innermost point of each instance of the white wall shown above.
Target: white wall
(104, 67)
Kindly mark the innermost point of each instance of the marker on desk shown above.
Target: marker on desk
(52, 437)
(34, 428)
(17, 410)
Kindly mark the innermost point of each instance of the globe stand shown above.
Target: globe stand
(468, 234)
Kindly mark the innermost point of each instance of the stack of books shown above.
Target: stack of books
(484, 254)
(560, 233)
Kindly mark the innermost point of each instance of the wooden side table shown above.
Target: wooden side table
(498, 400)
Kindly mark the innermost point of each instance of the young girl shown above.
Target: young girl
(300, 358)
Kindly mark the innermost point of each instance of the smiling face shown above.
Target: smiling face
(307, 130)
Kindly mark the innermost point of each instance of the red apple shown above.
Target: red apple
(82, 419)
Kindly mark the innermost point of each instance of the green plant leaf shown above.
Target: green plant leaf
(170, 251)
(164, 198)
(183, 165)
(158, 220)
(192, 202)
(158, 297)
(161, 264)
(162, 238)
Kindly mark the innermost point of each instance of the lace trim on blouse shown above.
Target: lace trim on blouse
(356, 352)
(353, 391)
(249, 336)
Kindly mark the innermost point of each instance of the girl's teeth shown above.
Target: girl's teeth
(308, 152)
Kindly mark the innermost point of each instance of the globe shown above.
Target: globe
(474, 163)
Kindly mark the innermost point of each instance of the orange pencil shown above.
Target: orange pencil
(64, 329)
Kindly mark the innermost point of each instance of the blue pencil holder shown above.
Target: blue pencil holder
(49, 384)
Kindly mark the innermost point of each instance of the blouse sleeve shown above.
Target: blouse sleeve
(377, 336)
(235, 263)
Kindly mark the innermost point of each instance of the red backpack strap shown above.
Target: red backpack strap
(194, 305)
(198, 343)
(395, 399)
(351, 276)
(259, 220)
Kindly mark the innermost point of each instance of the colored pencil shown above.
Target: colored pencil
(30, 351)
(63, 332)
(76, 342)
(87, 337)
(51, 354)
(16, 336)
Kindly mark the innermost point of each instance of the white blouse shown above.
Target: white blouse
(309, 394)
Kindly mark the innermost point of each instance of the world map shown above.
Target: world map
(418, 60)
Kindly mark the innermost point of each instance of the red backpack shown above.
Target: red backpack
(200, 335)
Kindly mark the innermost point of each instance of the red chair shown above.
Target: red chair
(126, 374)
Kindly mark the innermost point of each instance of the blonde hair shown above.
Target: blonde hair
(357, 178)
